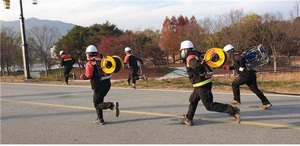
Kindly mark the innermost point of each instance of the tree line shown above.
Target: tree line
(281, 37)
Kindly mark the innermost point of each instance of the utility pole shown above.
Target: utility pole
(24, 45)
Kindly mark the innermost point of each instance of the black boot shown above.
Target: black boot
(186, 121)
(67, 79)
(100, 119)
(237, 115)
(106, 105)
(111, 106)
(117, 109)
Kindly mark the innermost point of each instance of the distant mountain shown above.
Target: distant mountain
(62, 27)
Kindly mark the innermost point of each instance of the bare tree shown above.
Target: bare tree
(275, 35)
(194, 32)
(41, 40)
(231, 30)
(294, 13)
(250, 30)
(11, 54)
(297, 8)
(209, 27)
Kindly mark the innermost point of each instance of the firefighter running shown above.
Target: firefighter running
(131, 62)
(244, 76)
(200, 76)
(100, 83)
(67, 62)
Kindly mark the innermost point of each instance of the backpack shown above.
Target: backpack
(255, 56)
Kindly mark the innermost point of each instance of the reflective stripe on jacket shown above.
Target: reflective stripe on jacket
(67, 60)
(202, 83)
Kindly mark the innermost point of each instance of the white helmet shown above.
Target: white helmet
(91, 49)
(61, 52)
(186, 45)
(127, 49)
(228, 47)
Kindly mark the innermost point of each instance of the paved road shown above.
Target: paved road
(177, 72)
(53, 114)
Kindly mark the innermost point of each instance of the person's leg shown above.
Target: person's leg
(210, 105)
(129, 79)
(67, 74)
(240, 80)
(99, 119)
(252, 84)
(194, 100)
(188, 118)
(105, 87)
(206, 97)
(136, 74)
(133, 78)
(99, 111)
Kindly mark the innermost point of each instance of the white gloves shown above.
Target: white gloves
(241, 69)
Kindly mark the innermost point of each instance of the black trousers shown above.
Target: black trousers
(98, 98)
(250, 80)
(204, 93)
(67, 73)
(133, 76)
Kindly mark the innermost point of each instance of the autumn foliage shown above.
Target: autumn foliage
(279, 36)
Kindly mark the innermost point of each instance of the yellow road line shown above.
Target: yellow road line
(151, 114)
(48, 104)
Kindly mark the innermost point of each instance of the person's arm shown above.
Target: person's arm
(62, 62)
(89, 69)
(194, 63)
(126, 59)
(126, 62)
(241, 62)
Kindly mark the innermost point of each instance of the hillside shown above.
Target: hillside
(63, 27)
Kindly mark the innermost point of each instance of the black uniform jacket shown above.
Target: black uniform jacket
(196, 67)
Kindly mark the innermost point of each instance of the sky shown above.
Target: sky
(137, 14)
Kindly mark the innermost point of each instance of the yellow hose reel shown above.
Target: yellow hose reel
(215, 57)
(111, 64)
